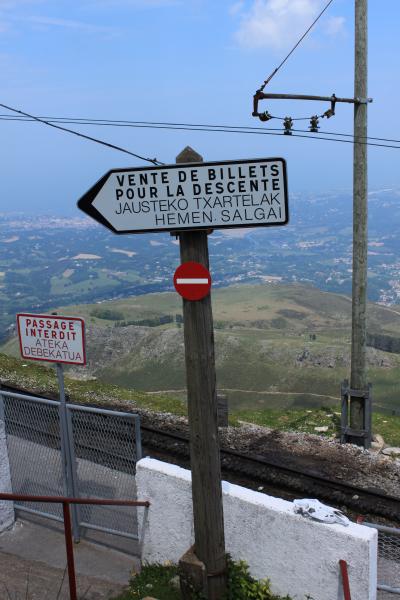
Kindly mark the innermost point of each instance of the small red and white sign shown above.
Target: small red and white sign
(192, 281)
(52, 338)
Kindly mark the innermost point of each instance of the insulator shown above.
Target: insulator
(265, 116)
(314, 124)
(329, 113)
(288, 124)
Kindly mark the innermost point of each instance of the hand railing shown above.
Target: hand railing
(67, 522)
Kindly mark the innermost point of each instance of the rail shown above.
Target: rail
(67, 522)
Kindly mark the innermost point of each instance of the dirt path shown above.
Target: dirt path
(264, 392)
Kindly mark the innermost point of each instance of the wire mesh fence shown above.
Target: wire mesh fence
(34, 450)
(388, 560)
(91, 453)
(106, 446)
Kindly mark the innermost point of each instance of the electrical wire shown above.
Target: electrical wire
(128, 123)
(213, 128)
(274, 72)
(154, 161)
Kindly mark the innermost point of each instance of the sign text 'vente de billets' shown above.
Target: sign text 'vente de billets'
(233, 194)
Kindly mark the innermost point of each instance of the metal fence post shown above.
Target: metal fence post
(2, 416)
(63, 436)
(138, 438)
(75, 508)
(66, 450)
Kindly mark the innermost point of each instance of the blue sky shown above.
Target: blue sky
(196, 61)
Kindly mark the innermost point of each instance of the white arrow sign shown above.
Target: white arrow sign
(243, 193)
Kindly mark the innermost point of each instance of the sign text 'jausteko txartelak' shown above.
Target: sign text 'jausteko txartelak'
(243, 193)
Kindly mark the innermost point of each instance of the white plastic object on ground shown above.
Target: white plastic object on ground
(314, 509)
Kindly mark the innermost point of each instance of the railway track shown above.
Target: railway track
(253, 471)
(278, 479)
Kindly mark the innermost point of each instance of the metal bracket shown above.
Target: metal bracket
(177, 233)
(347, 433)
(359, 433)
(333, 99)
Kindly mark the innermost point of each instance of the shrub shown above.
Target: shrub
(107, 314)
(158, 580)
(242, 586)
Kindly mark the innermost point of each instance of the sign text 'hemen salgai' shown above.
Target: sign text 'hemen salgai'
(52, 338)
(242, 193)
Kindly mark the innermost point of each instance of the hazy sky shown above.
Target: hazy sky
(188, 61)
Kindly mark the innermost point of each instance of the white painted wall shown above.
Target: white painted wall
(299, 556)
(6, 508)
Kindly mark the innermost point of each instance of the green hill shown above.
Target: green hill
(277, 346)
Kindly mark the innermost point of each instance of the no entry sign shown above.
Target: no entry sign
(192, 281)
(52, 338)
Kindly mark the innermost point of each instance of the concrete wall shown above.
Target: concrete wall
(299, 556)
(6, 508)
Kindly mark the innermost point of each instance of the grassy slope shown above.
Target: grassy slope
(42, 379)
(245, 304)
(261, 330)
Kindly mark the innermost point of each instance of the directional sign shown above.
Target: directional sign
(52, 338)
(192, 281)
(242, 193)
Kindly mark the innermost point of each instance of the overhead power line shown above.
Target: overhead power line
(274, 72)
(194, 126)
(154, 161)
(301, 133)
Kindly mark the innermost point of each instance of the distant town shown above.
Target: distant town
(76, 260)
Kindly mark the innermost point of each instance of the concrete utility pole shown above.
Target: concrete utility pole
(207, 567)
(358, 378)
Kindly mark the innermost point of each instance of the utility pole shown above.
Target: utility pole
(358, 393)
(209, 548)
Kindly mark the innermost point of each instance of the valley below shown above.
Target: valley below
(281, 304)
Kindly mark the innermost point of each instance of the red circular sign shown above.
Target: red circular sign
(192, 281)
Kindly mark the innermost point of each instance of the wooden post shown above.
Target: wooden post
(205, 463)
(358, 377)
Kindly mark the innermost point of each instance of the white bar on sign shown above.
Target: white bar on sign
(192, 280)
